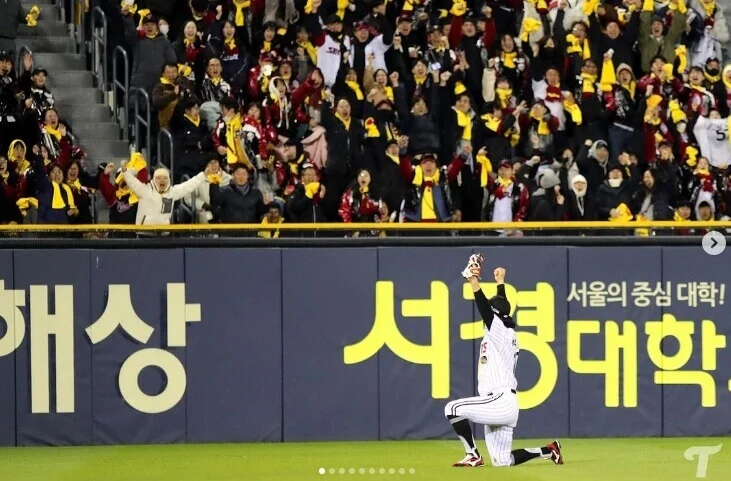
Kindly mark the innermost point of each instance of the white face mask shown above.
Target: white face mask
(164, 29)
(615, 182)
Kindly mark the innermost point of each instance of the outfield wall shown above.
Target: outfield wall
(353, 343)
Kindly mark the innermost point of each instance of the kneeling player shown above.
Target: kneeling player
(497, 405)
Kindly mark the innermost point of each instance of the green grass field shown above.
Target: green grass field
(585, 459)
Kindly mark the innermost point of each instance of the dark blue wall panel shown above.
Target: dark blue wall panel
(328, 304)
(7, 362)
(147, 272)
(49, 269)
(588, 413)
(238, 397)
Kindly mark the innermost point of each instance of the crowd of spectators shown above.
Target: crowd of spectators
(426, 111)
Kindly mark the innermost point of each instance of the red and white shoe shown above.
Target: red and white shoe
(556, 455)
(470, 461)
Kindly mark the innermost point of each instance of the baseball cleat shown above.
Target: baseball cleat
(470, 461)
(556, 455)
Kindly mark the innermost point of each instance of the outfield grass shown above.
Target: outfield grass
(586, 459)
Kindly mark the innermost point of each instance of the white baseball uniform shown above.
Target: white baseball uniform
(497, 405)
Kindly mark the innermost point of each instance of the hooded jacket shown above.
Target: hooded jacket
(150, 54)
(155, 207)
(590, 167)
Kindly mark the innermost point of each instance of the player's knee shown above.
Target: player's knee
(449, 410)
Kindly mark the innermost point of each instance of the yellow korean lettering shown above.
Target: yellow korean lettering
(614, 341)
(119, 312)
(10, 302)
(129, 385)
(670, 366)
(386, 332)
(530, 309)
(711, 342)
(179, 314)
(61, 326)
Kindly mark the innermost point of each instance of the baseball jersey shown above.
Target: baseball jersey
(712, 137)
(498, 359)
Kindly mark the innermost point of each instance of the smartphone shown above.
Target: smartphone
(436, 66)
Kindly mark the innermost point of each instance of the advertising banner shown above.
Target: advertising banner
(304, 344)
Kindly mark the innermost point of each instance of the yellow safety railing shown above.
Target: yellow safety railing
(415, 226)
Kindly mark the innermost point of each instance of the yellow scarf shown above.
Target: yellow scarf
(624, 214)
(230, 43)
(355, 88)
(575, 111)
(587, 83)
(419, 79)
(485, 169)
(504, 182)
(342, 5)
(232, 126)
(543, 128)
(677, 217)
(5, 176)
(389, 93)
(709, 7)
(151, 36)
(189, 42)
(364, 190)
(419, 177)
(165, 81)
(609, 77)
(493, 124)
(508, 59)
(464, 121)
(692, 154)
(52, 131)
(574, 46)
(726, 82)
(121, 193)
(529, 26)
(215, 81)
(652, 119)
(631, 88)
(310, 49)
(131, 8)
(395, 158)
(345, 122)
(240, 5)
(703, 172)
(267, 46)
(23, 165)
(195, 122)
(267, 233)
(504, 96)
(58, 201)
(76, 185)
(711, 78)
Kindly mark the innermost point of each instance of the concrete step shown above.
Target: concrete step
(55, 61)
(89, 95)
(105, 149)
(48, 11)
(62, 44)
(83, 113)
(96, 131)
(69, 78)
(44, 28)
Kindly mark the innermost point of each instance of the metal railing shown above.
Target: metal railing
(183, 208)
(99, 47)
(142, 95)
(122, 85)
(161, 136)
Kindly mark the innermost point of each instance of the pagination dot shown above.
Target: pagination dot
(401, 471)
(341, 471)
(332, 471)
(391, 471)
(382, 471)
(412, 471)
(321, 470)
(372, 471)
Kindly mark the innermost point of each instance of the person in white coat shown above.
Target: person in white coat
(156, 198)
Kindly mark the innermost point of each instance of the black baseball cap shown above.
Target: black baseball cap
(331, 19)
(39, 70)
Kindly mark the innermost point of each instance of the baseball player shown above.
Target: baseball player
(497, 405)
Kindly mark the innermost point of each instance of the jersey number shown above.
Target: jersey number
(721, 135)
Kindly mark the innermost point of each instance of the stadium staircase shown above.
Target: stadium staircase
(78, 100)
